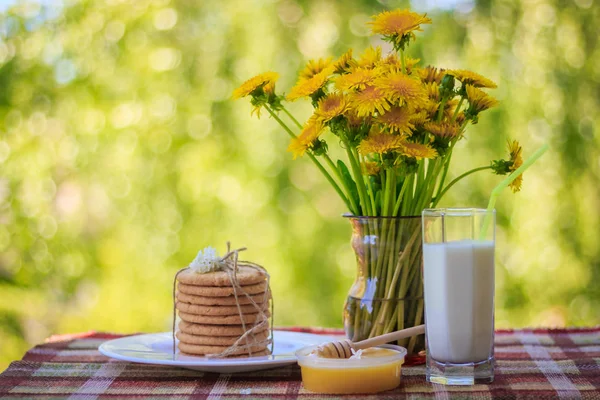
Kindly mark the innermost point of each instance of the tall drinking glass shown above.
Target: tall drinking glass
(458, 274)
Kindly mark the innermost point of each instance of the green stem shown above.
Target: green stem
(400, 275)
(371, 194)
(448, 156)
(395, 229)
(458, 108)
(283, 124)
(445, 166)
(389, 186)
(420, 186)
(360, 183)
(314, 159)
(439, 197)
(400, 196)
(382, 179)
(391, 323)
(386, 243)
(408, 195)
(426, 188)
(431, 184)
(441, 109)
(386, 250)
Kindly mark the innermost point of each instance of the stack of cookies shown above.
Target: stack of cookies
(213, 319)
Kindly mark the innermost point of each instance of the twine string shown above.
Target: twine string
(230, 264)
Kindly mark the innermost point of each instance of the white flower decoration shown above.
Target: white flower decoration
(356, 355)
(207, 260)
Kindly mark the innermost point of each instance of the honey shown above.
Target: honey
(376, 370)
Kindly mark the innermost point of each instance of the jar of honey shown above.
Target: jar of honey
(370, 371)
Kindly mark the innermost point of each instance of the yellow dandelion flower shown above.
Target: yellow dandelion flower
(313, 67)
(471, 78)
(310, 132)
(388, 64)
(433, 91)
(354, 121)
(357, 79)
(515, 150)
(417, 150)
(344, 63)
(392, 63)
(420, 118)
(297, 148)
(430, 107)
(266, 81)
(306, 87)
(403, 88)
(443, 129)
(410, 64)
(369, 100)
(379, 143)
(479, 100)
(431, 74)
(460, 118)
(397, 23)
(370, 168)
(370, 57)
(397, 119)
(331, 106)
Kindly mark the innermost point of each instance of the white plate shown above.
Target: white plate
(157, 348)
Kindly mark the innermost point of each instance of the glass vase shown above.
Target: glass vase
(387, 294)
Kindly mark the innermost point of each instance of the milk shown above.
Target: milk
(459, 300)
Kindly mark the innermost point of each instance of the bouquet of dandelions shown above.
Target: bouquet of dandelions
(398, 124)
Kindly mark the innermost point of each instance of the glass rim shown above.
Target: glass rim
(455, 211)
(367, 217)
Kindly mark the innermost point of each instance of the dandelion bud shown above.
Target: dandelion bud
(447, 85)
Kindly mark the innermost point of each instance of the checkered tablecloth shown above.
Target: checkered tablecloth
(531, 364)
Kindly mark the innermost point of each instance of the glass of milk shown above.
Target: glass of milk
(458, 274)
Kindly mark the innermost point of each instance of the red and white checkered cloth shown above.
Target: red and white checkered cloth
(531, 364)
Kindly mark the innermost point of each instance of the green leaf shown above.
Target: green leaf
(349, 184)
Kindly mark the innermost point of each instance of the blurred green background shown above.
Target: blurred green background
(122, 154)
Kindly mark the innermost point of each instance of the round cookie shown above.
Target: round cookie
(245, 276)
(220, 310)
(221, 341)
(216, 291)
(263, 353)
(198, 349)
(220, 330)
(223, 320)
(222, 301)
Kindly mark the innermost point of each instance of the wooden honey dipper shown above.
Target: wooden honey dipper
(343, 348)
